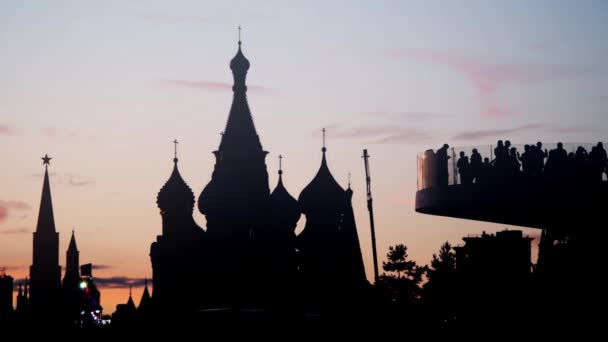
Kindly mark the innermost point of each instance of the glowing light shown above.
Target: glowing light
(83, 285)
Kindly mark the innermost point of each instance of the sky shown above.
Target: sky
(104, 87)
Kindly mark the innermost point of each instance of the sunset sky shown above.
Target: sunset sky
(104, 87)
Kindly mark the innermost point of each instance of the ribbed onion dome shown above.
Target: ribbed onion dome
(283, 205)
(323, 192)
(175, 195)
(239, 63)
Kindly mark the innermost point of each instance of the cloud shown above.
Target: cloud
(161, 18)
(489, 78)
(380, 134)
(57, 133)
(7, 206)
(118, 282)
(14, 231)
(6, 130)
(102, 267)
(493, 133)
(13, 268)
(70, 179)
(576, 129)
(215, 86)
(413, 116)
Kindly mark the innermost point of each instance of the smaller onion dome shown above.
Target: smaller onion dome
(283, 205)
(175, 195)
(323, 192)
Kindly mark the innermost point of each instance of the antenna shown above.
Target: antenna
(370, 208)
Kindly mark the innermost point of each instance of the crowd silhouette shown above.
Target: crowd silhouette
(507, 164)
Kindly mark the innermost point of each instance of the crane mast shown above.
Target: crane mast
(370, 209)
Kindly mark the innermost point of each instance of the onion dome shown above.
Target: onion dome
(323, 192)
(239, 62)
(175, 195)
(283, 205)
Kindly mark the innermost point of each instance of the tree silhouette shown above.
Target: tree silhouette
(442, 264)
(402, 277)
(439, 293)
(398, 263)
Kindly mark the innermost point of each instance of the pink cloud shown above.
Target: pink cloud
(489, 78)
(6, 130)
(494, 133)
(380, 134)
(215, 86)
(7, 206)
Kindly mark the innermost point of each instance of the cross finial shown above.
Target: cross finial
(175, 142)
(280, 164)
(323, 149)
(46, 160)
(240, 28)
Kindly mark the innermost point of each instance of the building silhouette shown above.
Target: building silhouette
(22, 307)
(45, 272)
(494, 273)
(506, 254)
(249, 254)
(6, 295)
(71, 281)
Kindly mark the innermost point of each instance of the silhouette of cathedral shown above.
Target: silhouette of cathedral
(249, 254)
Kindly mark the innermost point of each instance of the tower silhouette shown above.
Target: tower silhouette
(179, 252)
(235, 201)
(45, 272)
(71, 281)
(72, 265)
(331, 261)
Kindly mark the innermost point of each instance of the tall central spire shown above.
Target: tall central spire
(240, 131)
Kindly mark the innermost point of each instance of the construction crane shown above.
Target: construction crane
(370, 208)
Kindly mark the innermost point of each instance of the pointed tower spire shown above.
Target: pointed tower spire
(145, 300)
(72, 245)
(71, 278)
(239, 182)
(46, 219)
(45, 271)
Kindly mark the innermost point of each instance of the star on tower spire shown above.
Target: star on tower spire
(46, 160)
(280, 164)
(240, 28)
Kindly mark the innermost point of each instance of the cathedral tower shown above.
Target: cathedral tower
(178, 252)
